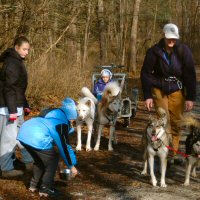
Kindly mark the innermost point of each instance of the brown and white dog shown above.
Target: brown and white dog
(108, 109)
(155, 141)
(192, 145)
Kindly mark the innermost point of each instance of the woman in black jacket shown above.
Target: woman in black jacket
(13, 84)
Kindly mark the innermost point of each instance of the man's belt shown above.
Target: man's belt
(174, 79)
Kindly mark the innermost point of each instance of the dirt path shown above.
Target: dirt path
(112, 175)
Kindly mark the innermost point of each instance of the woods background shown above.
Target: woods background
(70, 37)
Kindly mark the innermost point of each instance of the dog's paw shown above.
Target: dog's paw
(163, 185)
(186, 183)
(96, 148)
(110, 149)
(144, 172)
(154, 183)
(88, 148)
(78, 148)
(193, 174)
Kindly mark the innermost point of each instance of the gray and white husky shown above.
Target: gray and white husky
(108, 109)
(155, 141)
(86, 113)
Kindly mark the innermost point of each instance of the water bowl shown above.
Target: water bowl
(65, 174)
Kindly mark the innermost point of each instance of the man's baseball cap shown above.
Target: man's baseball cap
(171, 31)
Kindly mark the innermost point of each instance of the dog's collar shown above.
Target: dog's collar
(159, 142)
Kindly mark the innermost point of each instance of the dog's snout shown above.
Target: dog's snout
(80, 117)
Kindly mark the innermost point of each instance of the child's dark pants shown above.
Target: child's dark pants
(44, 168)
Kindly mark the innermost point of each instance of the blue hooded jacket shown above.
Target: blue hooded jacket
(44, 132)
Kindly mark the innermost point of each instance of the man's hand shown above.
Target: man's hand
(12, 117)
(189, 105)
(149, 104)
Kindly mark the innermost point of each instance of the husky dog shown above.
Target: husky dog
(108, 109)
(155, 141)
(192, 144)
(86, 113)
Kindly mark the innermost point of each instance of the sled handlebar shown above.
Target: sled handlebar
(110, 66)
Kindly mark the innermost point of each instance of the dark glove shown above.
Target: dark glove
(27, 111)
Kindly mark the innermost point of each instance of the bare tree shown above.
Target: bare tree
(85, 47)
(101, 30)
(133, 40)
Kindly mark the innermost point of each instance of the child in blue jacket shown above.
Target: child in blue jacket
(46, 137)
(99, 86)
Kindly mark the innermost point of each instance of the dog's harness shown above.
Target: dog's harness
(110, 116)
(156, 144)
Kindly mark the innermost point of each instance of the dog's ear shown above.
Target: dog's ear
(109, 93)
(151, 118)
(88, 103)
(104, 100)
(77, 102)
(194, 131)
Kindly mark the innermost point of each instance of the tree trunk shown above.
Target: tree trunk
(101, 30)
(124, 30)
(85, 47)
(133, 42)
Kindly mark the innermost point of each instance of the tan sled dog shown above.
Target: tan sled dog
(108, 109)
(155, 141)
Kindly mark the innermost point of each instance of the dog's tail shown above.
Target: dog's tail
(86, 93)
(189, 120)
(112, 89)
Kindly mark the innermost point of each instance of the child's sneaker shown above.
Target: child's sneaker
(46, 192)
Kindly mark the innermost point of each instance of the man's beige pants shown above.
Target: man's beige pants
(174, 105)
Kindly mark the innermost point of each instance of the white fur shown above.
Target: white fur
(86, 93)
(192, 161)
(113, 87)
(86, 113)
